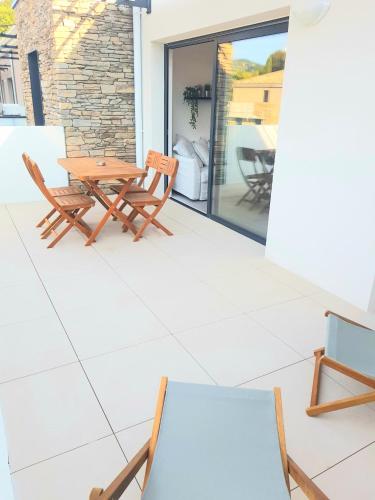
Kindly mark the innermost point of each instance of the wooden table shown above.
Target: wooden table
(90, 173)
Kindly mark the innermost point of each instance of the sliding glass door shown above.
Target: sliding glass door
(249, 81)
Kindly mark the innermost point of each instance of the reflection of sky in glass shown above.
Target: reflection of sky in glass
(258, 49)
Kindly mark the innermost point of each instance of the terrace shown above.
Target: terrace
(86, 333)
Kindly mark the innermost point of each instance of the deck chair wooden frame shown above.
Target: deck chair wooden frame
(146, 454)
(57, 191)
(322, 360)
(70, 209)
(164, 165)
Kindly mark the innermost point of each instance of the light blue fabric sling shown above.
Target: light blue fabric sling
(217, 443)
(351, 345)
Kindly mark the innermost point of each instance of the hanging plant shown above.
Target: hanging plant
(191, 95)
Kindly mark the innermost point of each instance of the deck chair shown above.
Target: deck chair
(350, 350)
(70, 208)
(164, 165)
(214, 443)
(57, 191)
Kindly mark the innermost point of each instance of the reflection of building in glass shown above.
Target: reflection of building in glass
(256, 99)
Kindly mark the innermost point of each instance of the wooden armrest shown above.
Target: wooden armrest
(327, 313)
(304, 482)
(122, 481)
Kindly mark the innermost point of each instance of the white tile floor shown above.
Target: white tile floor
(86, 333)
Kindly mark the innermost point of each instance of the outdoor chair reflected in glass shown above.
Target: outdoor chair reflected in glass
(257, 171)
(204, 437)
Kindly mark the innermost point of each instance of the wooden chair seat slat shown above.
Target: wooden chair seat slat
(65, 191)
(74, 201)
(134, 188)
(142, 199)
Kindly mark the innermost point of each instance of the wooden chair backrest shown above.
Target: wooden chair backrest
(165, 165)
(151, 160)
(40, 182)
(26, 159)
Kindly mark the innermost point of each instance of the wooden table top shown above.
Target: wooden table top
(87, 169)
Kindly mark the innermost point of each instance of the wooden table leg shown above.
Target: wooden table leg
(111, 208)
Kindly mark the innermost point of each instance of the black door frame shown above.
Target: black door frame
(36, 88)
(254, 31)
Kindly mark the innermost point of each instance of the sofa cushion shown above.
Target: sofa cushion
(201, 148)
(184, 147)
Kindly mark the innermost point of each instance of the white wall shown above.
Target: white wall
(192, 65)
(322, 211)
(322, 220)
(44, 145)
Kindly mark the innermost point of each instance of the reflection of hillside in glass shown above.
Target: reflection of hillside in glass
(257, 81)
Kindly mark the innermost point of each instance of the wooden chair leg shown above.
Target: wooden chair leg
(148, 221)
(156, 223)
(315, 387)
(45, 219)
(96, 494)
(340, 404)
(51, 227)
(133, 214)
(73, 223)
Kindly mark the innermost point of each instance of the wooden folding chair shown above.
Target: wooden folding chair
(350, 350)
(218, 443)
(138, 187)
(57, 191)
(164, 165)
(70, 208)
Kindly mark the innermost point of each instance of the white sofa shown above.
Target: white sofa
(192, 178)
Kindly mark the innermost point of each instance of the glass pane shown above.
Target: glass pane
(248, 96)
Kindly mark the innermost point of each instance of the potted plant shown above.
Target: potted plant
(191, 95)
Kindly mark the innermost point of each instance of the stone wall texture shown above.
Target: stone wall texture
(85, 50)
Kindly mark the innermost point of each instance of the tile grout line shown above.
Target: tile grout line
(271, 372)
(341, 461)
(249, 315)
(239, 385)
(155, 315)
(61, 454)
(66, 333)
